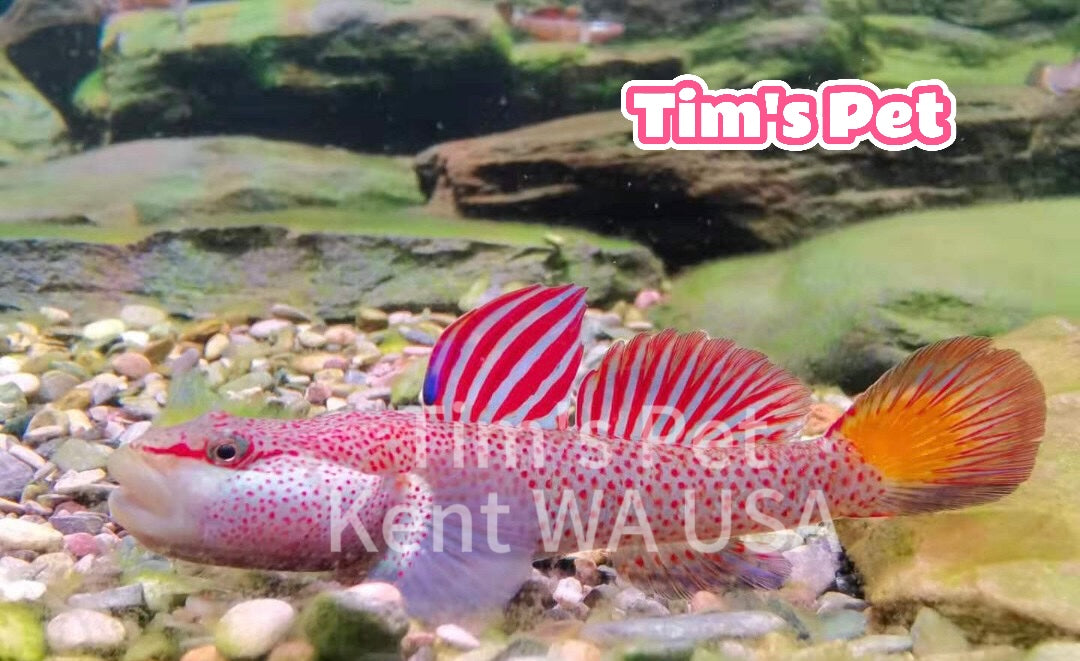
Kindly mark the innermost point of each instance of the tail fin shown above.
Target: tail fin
(956, 424)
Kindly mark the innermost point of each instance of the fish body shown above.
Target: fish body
(681, 443)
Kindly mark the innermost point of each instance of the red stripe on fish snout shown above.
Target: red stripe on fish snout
(177, 450)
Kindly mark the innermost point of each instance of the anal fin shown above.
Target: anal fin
(679, 569)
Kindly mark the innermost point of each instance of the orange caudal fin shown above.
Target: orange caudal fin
(956, 424)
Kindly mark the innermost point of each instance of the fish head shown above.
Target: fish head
(234, 491)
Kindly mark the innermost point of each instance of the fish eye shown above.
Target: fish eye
(227, 451)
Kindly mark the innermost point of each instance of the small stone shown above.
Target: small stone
(203, 653)
(52, 567)
(933, 633)
(456, 637)
(252, 628)
(113, 599)
(103, 391)
(574, 650)
(201, 330)
(292, 650)
(586, 571)
(843, 625)
(80, 544)
(81, 630)
(813, 568)
(684, 631)
(250, 381)
(142, 316)
(55, 316)
(284, 311)
(268, 328)
(134, 431)
(216, 346)
(19, 535)
(80, 425)
(634, 602)
(103, 330)
(90, 523)
(318, 393)
(151, 646)
(20, 590)
(21, 635)
(78, 455)
(157, 351)
(142, 407)
(1054, 651)
(340, 335)
(10, 365)
(55, 384)
(12, 401)
(569, 593)
(311, 340)
(76, 481)
(136, 339)
(14, 476)
(879, 644)
(370, 319)
(311, 363)
(707, 602)
(831, 602)
(131, 364)
(24, 381)
(76, 399)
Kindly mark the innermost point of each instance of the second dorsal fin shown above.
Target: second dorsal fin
(689, 389)
(511, 360)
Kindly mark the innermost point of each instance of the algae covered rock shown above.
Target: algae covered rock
(1007, 571)
(30, 128)
(22, 637)
(364, 622)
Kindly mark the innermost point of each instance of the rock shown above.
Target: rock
(203, 653)
(90, 523)
(292, 650)
(33, 130)
(114, 599)
(283, 311)
(131, 364)
(336, 272)
(1054, 651)
(12, 401)
(51, 567)
(405, 387)
(878, 644)
(151, 646)
(77, 481)
(78, 455)
(216, 346)
(1016, 578)
(713, 206)
(843, 625)
(16, 534)
(251, 380)
(268, 328)
(371, 319)
(14, 476)
(311, 340)
(21, 590)
(142, 316)
(28, 384)
(80, 544)
(252, 628)
(574, 650)
(21, 635)
(678, 631)
(813, 568)
(80, 630)
(832, 602)
(55, 384)
(103, 330)
(931, 633)
(707, 602)
(456, 637)
(370, 617)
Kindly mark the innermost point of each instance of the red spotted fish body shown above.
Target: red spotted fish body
(681, 443)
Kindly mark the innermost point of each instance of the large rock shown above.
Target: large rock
(359, 74)
(1008, 571)
(249, 268)
(692, 205)
(30, 128)
(155, 181)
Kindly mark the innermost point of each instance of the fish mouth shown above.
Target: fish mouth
(145, 505)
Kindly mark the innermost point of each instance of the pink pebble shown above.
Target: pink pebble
(647, 298)
(80, 544)
(336, 363)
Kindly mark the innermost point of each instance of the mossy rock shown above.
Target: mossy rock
(22, 636)
(30, 128)
(1007, 571)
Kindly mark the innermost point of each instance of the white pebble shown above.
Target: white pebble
(142, 316)
(104, 329)
(456, 637)
(16, 534)
(10, 365)
(21, 590)
(81, 630)
(215, 346)
(252, 628)
(28, 383)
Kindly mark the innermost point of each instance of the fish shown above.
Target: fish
(668, 454)
(559, 24)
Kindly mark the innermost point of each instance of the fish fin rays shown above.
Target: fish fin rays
(451, 558)
(689, 389)
(679, 570)
(512, 360)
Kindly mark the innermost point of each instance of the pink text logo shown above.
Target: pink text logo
(685, 114)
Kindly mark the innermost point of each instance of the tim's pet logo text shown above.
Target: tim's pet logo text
(685, 114)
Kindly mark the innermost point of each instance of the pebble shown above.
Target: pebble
(21, 590)
(135, 338)
(843, 625)
(113, 599)
(216, 346)
(80, 544)
(933, 633)
(10, 365)
(24, 381)
(82, 630)
(252, 628)
(90, 523)
(14, 476)
(311, 340)
(55, 316)
(55, 384)
(142, 316)
(52, 567)
(684, 630)
(292, 650)
(12, 401)
(813, 568)
(340, 335)
(370, 616)
(456, 637)
(203, 653)
(267, 328)
(284, 311)
(880, 644)
(103, 329)
(76, 481)
(831, 602)
(707, 602)
(249, 381)
(132, 364)
(17, 534)
(76, 454)
(633, 601)
(1054, 651)
(371, 319)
